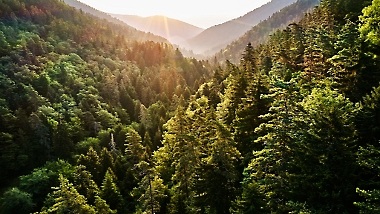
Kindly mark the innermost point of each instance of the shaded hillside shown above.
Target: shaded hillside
(174, 30)
(140, 36)
(223, 34)
(260, 33)
(66, 77)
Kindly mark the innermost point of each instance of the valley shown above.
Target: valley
(277, 113)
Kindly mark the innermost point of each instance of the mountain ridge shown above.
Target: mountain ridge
(176, 31)
(260, 33)
(216, 36)
(142, 36)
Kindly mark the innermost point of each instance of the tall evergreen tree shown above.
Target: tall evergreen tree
(252, 106)
(110, 192)
(151, 191)
(66, 199)
(216, 179)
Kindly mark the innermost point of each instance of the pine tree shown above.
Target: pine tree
(324, 152)
(185, 157)
(102, 207)
(368, 128)
(272, 166)
(67, 200)
(216, 176)
(231, 98)
(252, 106)
(346, 68)
(150, 191)
(134, 149)
(109, 191)
(85, 185)
(92, 162)
(369, 28)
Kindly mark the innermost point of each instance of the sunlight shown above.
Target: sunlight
(197, 12)
(165, 19)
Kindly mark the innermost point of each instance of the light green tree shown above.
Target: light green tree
(66, 199)
(370, 19)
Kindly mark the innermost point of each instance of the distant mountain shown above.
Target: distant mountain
(260, 33)
(139, 35)
(174, 30)
(223, 34)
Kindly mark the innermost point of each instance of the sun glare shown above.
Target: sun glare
(198, 12)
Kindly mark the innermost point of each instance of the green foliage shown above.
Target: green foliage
(150, 191)
(368, 153)
(372, 201)
(370, 19)
(16, 201)
(64, 81)
(327, 151)
(280, 132)
(262, 32)
(38, 183)
(66, 199)
(110, 192)
(368, 159)
(102, 207)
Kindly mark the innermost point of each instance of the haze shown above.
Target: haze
(200, 13)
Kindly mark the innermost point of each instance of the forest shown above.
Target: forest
(94, 119)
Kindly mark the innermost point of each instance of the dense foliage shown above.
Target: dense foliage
(261, 32)
(112, 126)
(68, 80)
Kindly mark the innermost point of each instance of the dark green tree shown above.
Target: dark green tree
(110, 192)
(253, 105)
(16, 201)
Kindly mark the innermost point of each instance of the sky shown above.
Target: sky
(201, 13)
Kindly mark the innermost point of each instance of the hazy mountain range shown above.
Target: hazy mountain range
(199, 41)
(175, 31)
(221, 35)
(260, 33)
(140, 35)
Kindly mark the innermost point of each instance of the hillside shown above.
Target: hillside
(174, 30)
(221, 35)
(94, 122)
(139, 35)
(260, 33)
(69, 79)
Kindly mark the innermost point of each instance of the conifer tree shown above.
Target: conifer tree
(66, 199)
(231, 98)
(252, 106)
(324, 157)
(271, 167)
(85, 185)
(102, 207)
(216, 177)
(134, 149)
(92, 162)
(150, 191)
(369, 28)
(109, 191)
(345, 64)
(368, 128)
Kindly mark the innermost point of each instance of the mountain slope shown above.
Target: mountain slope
(260, 33)
(140, 36)
(71, 76)
(223, 34)
(174, 30)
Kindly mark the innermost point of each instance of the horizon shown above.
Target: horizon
(197, 13)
